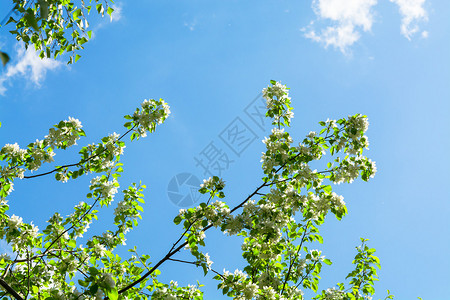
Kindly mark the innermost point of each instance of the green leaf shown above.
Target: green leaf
(112, 294)
(109, 11)
(77, 14)
(4, 57)
(327, 189)
(72, 243)
(94, 288)
(83, 283)
(99, 8)
(82, 41)
(31, 20)
(43, 8)
(93, 271)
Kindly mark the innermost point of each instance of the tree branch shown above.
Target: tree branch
(10, 290)
(295, 257)
(173, 251)
(75, 164)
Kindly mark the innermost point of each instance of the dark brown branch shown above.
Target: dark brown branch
(71, 227)
(187, 229)
(307, 274)
(194, 263)
(172, 252)
(10, 290)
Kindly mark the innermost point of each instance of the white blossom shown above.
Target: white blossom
(99, 250)
(106, 188)
(208, 260)
(250, 290)
(213, 183)
(108, 280)
(153, 112)
(277, 102)
(64, 135)
(75, 122)
(14, 222)
(14, 151)
(334, 294)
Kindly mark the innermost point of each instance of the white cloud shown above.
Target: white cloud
(29, 65)
(412, 12)
(347, 18)
(191, 25)
(117, 13)
(343, 21)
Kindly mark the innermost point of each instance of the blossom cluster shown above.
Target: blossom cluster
(104, 188)
(101, 157)
(107, 281)
(239, 286)
(214, 185)
(17, 233)
(112, 145)
(64, 134)
(38, 153)
(215, 213)
(13, 152)
(152, 113)
(172, 291)
(237, 283)
(278, 150)
(278, 103)
(127, 212)
(334, 294)
(351, 167)
(50, 263)
(357, 126)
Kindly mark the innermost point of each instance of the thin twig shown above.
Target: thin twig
(295, 257)
(78, 163)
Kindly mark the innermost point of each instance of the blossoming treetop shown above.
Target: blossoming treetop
(277, 221)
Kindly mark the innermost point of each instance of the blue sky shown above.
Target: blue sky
(209, 60)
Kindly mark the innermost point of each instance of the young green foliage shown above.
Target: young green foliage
(278, 223)
(55, 27)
